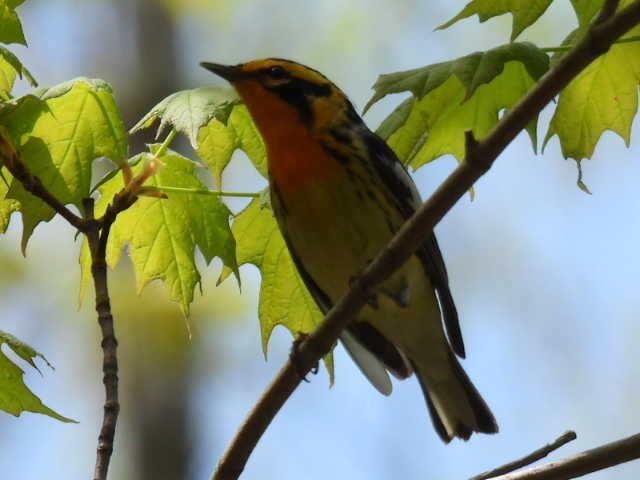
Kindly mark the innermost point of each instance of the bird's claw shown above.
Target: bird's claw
(293, 356)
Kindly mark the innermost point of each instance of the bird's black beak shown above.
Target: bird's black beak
(228, 72)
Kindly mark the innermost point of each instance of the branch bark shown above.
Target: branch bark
(97, 239)
(480, 156)
(589, 461)
(528, 459)
(97, 236)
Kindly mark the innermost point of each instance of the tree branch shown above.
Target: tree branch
(97, 239)
(479, 158)
(589, 461)
(534, 456)
(10, 158)
(97, 236)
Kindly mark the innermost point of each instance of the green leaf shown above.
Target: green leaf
(189, 110)
(10, 66)
(15, 397)
(7, 206)
(452, 97)
(472, 70)
(604, 96)
(586, 10)
(284, 299)
(163, 234)
(218, 141)
(10, 26)
(58, 133)
(524, 12)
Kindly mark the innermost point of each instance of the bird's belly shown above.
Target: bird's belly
(335, 234)
(336, 230)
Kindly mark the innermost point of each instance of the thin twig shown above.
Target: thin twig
(479, 159)
(97, 236)
(11, 159)
(589, 461)
(534, 456)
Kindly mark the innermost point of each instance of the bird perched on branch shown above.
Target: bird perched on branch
(339, 194)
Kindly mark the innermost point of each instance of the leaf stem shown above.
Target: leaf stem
(165, 144)
(200, 191)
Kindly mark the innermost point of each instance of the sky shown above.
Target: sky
(544, 275)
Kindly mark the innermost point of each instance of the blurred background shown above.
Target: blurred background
(544, 275)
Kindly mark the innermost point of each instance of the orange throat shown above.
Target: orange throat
(294, 154)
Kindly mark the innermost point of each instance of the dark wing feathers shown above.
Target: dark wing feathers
(393, 173)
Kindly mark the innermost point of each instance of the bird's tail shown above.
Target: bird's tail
(456, 407)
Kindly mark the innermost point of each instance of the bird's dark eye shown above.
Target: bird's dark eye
(277, 72)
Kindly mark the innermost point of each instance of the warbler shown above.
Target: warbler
(339, 194)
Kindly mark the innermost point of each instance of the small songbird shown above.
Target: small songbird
(339, 194)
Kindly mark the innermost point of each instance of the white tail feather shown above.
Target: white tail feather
(369, 365)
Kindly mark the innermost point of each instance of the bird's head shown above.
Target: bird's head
(282, 93)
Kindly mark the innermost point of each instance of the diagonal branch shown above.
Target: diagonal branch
(589, 461)
(479, 158)
(534, 456)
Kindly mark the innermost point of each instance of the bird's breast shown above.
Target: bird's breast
(335, 225)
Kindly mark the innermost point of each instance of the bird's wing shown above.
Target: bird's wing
(403, 191)
(368, 348)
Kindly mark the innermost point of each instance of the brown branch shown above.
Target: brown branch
(97, 236)
(607, 10)
(97, 239)
(10, 158)
(534, 456)
(589, 461)
(479, 158)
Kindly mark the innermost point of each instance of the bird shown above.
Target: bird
(339, 194)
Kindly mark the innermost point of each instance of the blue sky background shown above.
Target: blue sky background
(545, 277)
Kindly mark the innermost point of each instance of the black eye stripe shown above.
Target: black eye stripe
(316, 89)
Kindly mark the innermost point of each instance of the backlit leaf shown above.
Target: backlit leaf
(472, 70)
(452, 97)
(59, 132)
(163, 234)
(586, 10)
(10, 67)
(524, 12)
(284, 299)
(7, 205)
(604, 96)
(15, 396)
(10, 26)
(218, 141)
(189, 110)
